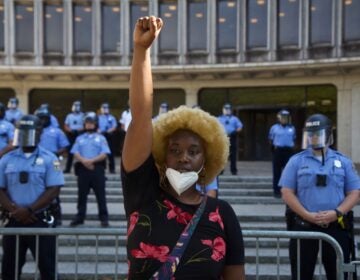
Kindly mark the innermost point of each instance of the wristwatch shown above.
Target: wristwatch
(338, 213)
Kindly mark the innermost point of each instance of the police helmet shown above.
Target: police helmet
(105, 108)
(2, 111)
(284, 117)
(27, 132)
(46, 106)
(91, 117)
(13, 103)
(44, 115)
(317, 132)
(227, 109)
(76, 106)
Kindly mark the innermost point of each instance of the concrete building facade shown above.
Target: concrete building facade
(260, 55)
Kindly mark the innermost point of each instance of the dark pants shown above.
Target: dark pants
(233, 154)
(309, 250)
(46, 258)
(280, 158)
(71, 137)
(110, 141)
(94, 179)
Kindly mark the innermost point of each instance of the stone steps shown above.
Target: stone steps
(251, 198)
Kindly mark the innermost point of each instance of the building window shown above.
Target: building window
(53, 28)
(110, 28)
(351, 20)
(226, 31)
(2, 34)
(320, 21)
(197, 29)
(168, 42)
(24, 28)
(256, 23)
(288, 22)
(137, 10)
(82, 28)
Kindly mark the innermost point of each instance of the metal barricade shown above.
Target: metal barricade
(341, 267)
(76, 234)
(114, 236)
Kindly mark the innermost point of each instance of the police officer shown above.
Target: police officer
(163, 108)
(13, 113)
(73, 126)
(90, 150)
(233, 126)
(281, 137)
(30, 179)
(320, 186)
(54, 140)
(53, 120)
(6, 132)
(107, 126)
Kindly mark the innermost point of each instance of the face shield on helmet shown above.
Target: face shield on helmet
(44, 116)
(27, 132)
(13, 103)
(284, 117)
(90, 122)
(317, 133)
(105, 108)
(76, 107)
(227, 110)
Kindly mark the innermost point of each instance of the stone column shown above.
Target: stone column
(22, 94)
(191, 96)
(355, 121)
(344, 115)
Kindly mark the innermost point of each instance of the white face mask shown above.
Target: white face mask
(181, 181)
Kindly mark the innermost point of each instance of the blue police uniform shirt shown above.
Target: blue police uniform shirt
(212, 186)
(231, 123)
(13, 115)
(106, 122)
(53, 121)
(282, 135)
(90, 145)
(44, 172)
(53, 139)
(300, 175)
(6, 133)
(75, 121)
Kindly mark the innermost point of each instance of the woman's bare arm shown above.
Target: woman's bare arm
(138, 139)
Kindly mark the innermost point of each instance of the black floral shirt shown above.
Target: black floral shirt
(156, 220)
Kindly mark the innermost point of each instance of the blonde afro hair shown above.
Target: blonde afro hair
(203, 124)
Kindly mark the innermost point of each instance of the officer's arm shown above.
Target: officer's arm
(46, 198)
(138, 139)
(67, 128)
(98, 158)
(5, 201)
(289, 197)
(6, 149)
(351, 199)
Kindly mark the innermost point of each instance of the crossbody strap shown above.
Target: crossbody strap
(167, 270)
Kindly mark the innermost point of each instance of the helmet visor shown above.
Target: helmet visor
(75, 108)
(314, 139)
(25, 138)
(284, 119)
